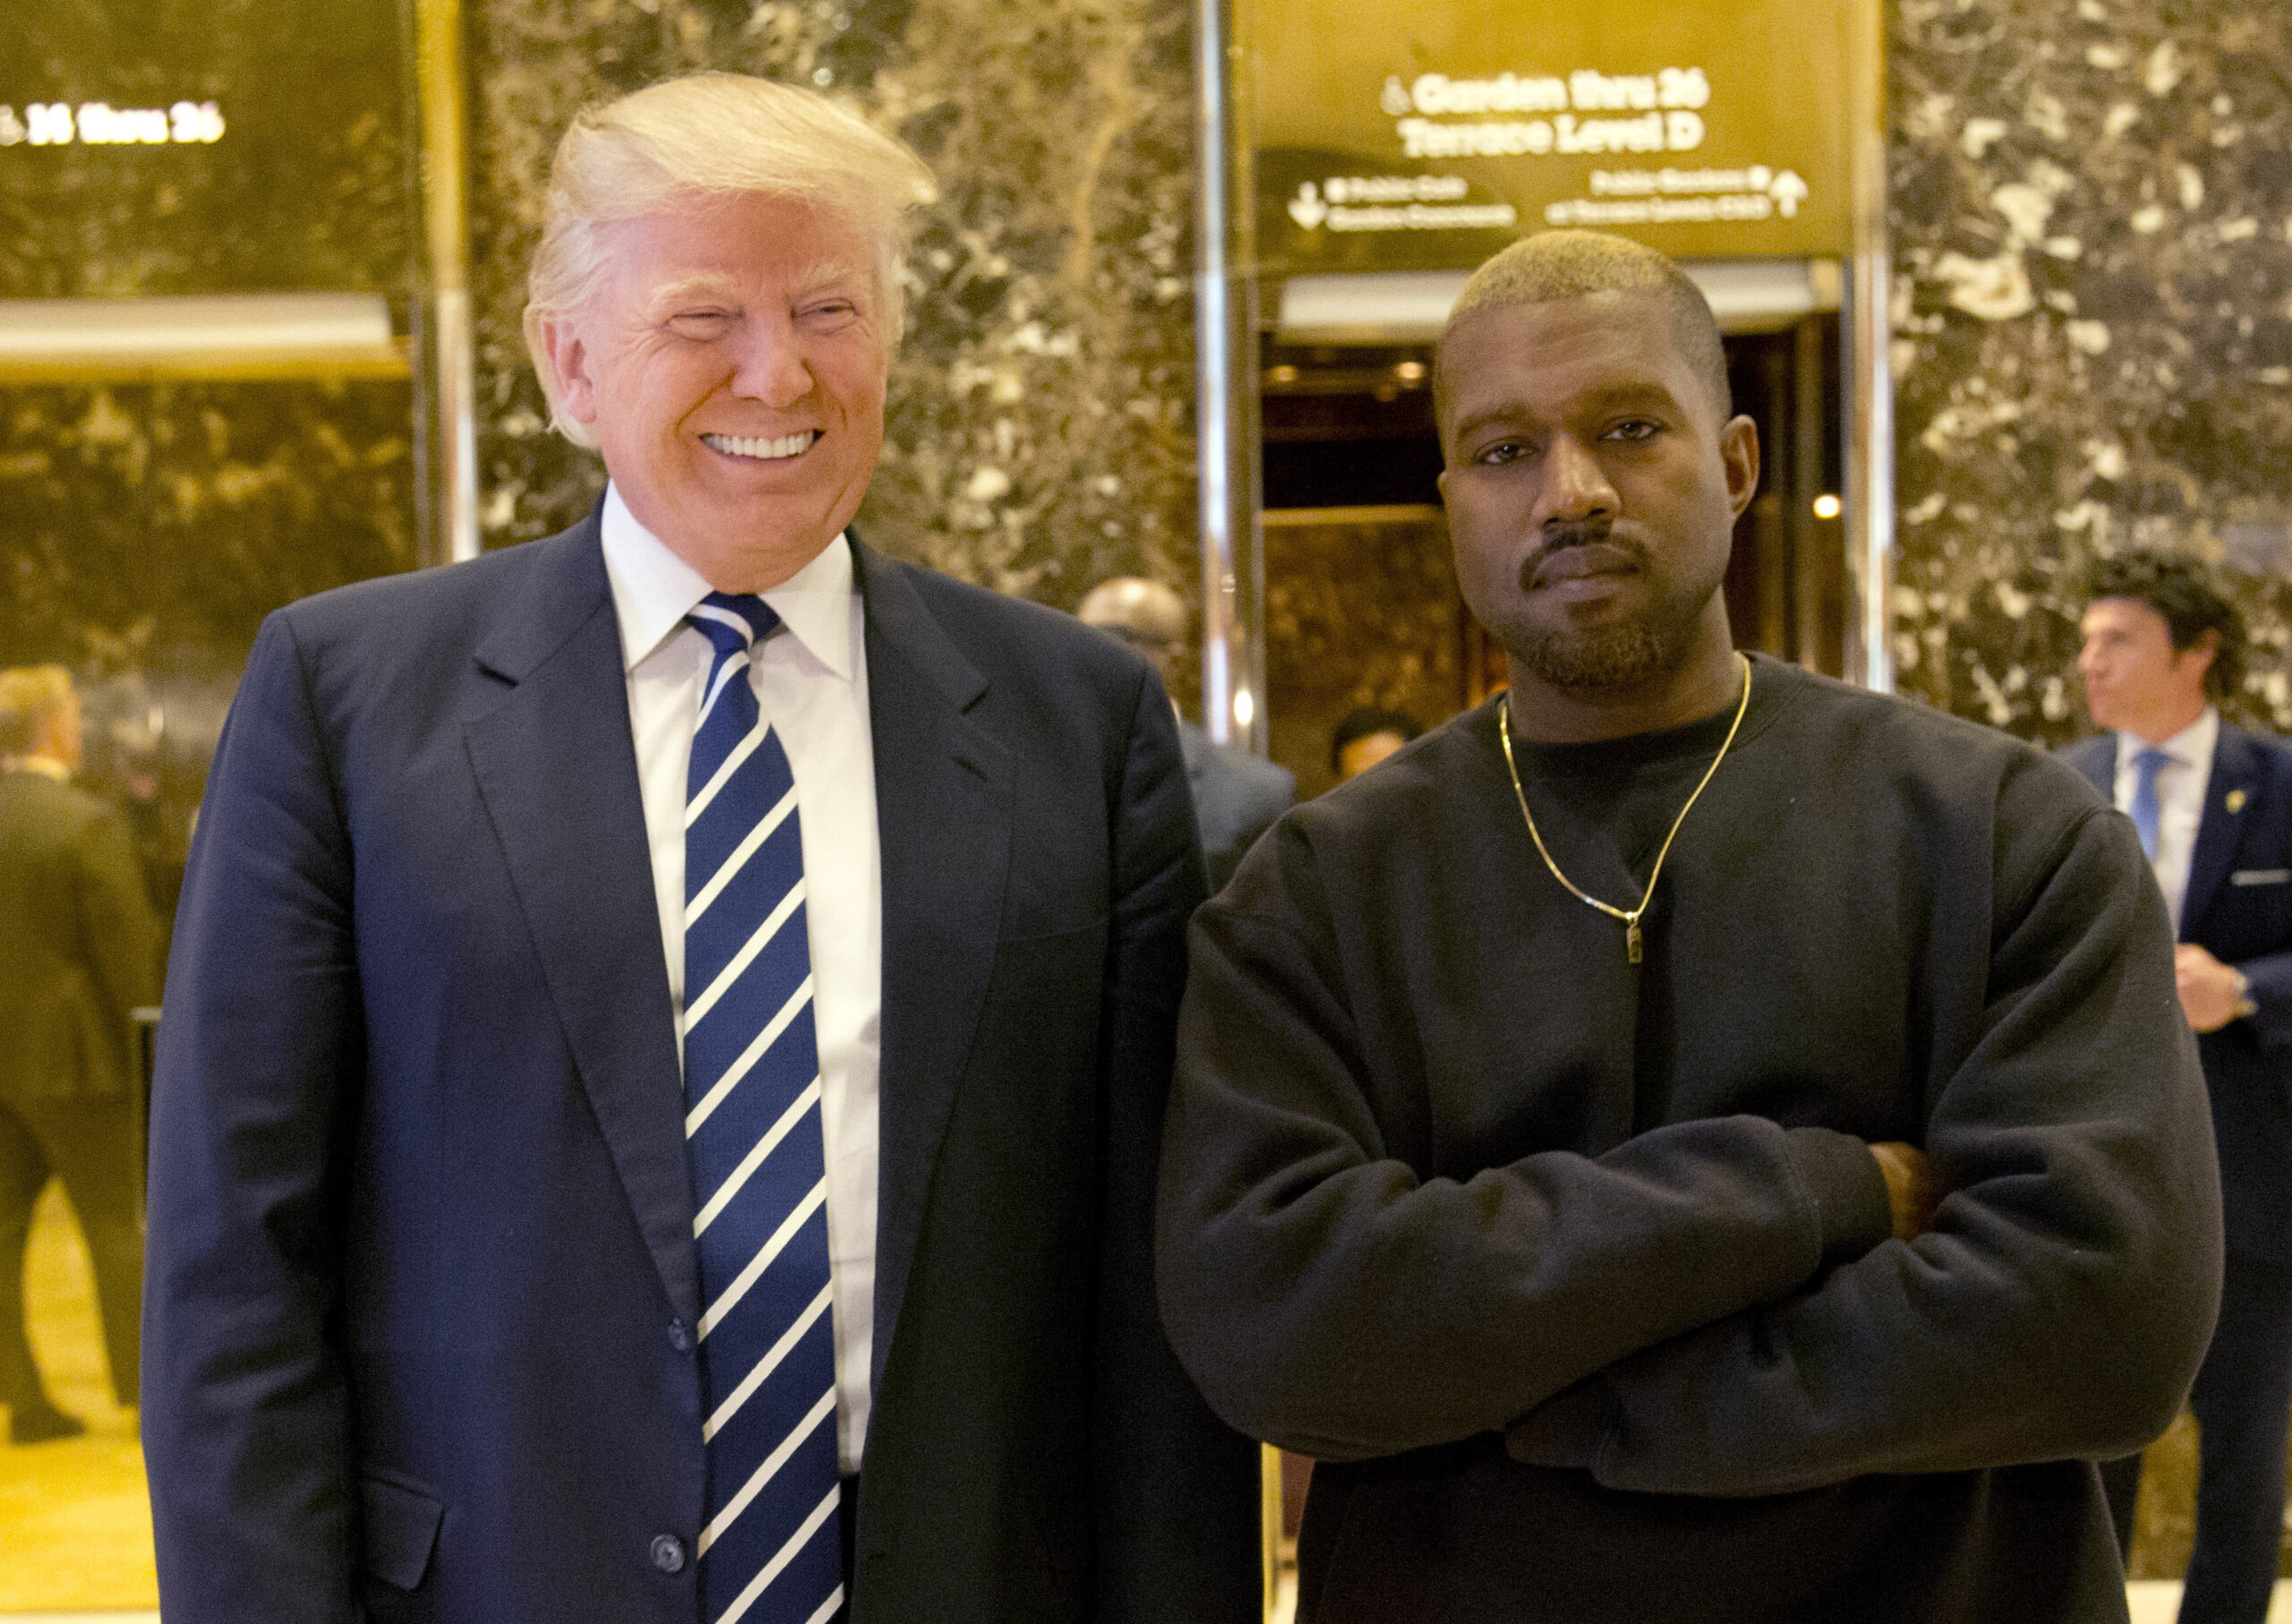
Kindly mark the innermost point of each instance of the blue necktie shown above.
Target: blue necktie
(2147, 765)
(770, 1552)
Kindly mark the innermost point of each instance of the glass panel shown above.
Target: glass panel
(186, 466)
(147, 530)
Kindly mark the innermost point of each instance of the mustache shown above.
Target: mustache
(1561, 538)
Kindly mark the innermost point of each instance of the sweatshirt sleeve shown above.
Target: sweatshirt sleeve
(2061, 1305)
(1326, 1299)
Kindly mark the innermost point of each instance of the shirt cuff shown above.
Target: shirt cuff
(1849, 1192)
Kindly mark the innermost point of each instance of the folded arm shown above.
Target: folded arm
(2269, 985)
(2062, 1303)
(1330, 1300)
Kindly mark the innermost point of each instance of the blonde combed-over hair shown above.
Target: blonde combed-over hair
(686, 141)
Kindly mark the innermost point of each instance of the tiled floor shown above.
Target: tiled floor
(2156, 1601)
(2152, 1602)
(75, 1517)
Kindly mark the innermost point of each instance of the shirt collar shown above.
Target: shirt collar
(2193, 744)
(653, 590)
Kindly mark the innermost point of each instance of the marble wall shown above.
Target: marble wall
(1360, 609)
(1038, 433)
(146, 527)
(307, 186)
(2091, 214)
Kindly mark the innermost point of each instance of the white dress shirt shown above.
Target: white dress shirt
(811, 684)
(2180, 798)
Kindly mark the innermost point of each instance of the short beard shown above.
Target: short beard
(1611, 660)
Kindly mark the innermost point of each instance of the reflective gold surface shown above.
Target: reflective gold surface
(75, 1525)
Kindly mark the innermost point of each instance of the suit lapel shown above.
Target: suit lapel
(557, 767)
(2235, 776)
(943, 817)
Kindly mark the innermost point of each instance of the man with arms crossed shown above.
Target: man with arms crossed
(1541, 1154)
(2213, 804)
(669, 1028)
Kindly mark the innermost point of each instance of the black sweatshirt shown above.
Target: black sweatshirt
(1576, 1263)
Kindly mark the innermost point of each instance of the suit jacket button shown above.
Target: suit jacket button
(668, 1553)
(680, 1339)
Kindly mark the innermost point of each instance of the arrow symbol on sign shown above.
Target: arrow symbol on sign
(1306, 208)
(1788, 192)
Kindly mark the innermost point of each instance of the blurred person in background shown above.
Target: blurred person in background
(1237, 796)
(77, 956)
(2212, 803)
(1366, 737)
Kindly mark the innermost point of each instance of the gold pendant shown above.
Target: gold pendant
(1631, 939)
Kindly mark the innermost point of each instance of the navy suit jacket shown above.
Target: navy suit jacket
(2239, 909)
(421, 1259)
(1236, 798)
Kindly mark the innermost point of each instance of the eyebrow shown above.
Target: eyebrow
(824, 273)
(713, 286)
(693, 287)
(1607, 398)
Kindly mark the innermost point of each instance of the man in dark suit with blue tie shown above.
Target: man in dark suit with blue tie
(669, 1025)
(2213, 806)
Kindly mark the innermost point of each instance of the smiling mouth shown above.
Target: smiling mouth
(756, 450)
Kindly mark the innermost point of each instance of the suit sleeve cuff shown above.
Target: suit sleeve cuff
(1849, 1192)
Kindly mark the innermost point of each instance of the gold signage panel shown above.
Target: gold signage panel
(1425, 134)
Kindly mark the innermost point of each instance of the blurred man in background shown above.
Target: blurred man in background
(1237, 796)
(2213, 806)
(1366, 737)
(76, 958)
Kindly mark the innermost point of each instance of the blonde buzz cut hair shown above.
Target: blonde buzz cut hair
(1576, 264)
(706, 136)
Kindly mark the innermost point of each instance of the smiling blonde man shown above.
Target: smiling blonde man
(669, 1025)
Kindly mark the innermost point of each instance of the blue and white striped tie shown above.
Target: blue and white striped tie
(770, 1552)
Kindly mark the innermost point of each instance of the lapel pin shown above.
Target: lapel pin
(2237, 800)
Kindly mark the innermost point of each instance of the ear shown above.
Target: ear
(2200, 654)
(572, 366)
(1739, 454)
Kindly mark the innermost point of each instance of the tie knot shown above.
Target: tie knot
(734, 621)
(2149, 762)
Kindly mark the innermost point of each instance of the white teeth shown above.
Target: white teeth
(767, 450)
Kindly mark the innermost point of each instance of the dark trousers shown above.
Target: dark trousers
(89, 1145)
(2243, 1401)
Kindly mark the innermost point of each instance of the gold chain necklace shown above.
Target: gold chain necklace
(1631, 918)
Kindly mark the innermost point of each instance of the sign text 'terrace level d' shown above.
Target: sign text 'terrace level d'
(1428, 137)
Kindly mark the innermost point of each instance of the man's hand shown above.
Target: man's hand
(2208, 989)
(1910, 1188)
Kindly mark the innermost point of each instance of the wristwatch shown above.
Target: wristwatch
(2244, 1005)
